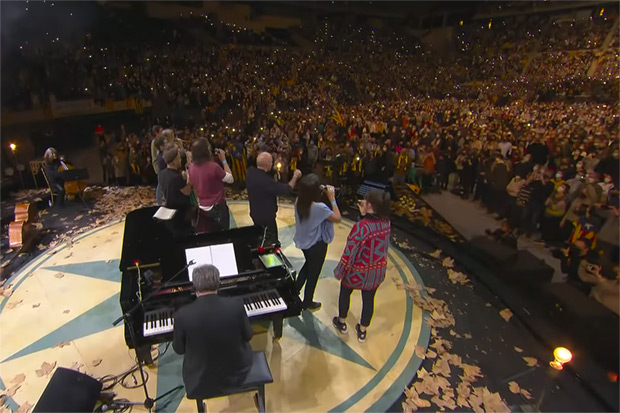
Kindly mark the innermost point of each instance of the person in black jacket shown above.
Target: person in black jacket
(213, 333)
(263, 192)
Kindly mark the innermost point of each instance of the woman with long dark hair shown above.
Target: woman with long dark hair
(364, 261)
(314, 229)
(208, 179)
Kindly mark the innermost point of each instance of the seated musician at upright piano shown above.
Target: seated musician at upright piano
(54, 175)
(213, 333)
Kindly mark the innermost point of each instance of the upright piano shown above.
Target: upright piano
(156, 277)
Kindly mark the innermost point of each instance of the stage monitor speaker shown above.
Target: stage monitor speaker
(69, 391)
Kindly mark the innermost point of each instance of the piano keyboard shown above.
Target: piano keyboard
(263, 303)
(161, 321)
(158, 322)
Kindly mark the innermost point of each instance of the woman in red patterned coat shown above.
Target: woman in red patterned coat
(364, 260)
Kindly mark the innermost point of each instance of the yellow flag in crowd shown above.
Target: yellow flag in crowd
(338, 118)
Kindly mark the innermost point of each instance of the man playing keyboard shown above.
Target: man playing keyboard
(213, 333)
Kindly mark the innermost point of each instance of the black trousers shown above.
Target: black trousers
(368, 304)
(271, 234)
(310, 272)
(220, 216)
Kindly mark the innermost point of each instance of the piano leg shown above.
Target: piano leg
(277, 328)
(144, 355)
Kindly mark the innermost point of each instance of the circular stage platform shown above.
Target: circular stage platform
(64, 302)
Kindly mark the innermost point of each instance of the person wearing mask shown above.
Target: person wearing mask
(314, 229)
(208, 179)
(555, 208)
(363, 264)
(213, 334)
(155, 150)
(175, 185)
(263, 192)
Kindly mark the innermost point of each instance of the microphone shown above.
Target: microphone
(324, 188)
(154, 292)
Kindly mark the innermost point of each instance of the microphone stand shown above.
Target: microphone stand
(126, 317)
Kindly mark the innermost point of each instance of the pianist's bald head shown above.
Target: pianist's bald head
(206, 279)
(264, 161)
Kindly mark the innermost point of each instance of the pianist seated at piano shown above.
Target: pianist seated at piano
(175, 185)
(213, 334)
(53, 169)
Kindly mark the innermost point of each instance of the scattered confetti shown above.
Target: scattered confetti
(46, 368)
(518, 350)
(530, 361)
(514, 387)
(13, 304)
(506, 314)
(24, 408)
(19, 379)
(436, 254)
(448, 262)
(96, 362)
(59, 275)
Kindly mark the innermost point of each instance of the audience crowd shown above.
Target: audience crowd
(491, 122)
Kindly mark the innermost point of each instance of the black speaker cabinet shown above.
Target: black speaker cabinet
(69, 391)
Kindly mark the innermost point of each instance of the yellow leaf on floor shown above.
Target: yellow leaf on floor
(420, 351)
(46, 368)
(24, 408)
(436, 254)
(506, 314)
(514, 387)
(10, 392)
(19, 379)
(526, 394)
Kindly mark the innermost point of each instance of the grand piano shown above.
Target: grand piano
(156, 280)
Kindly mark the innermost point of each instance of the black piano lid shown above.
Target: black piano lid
(149, 240)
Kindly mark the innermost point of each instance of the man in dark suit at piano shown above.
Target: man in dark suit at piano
(213, 333)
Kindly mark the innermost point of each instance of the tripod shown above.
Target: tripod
(126, 317)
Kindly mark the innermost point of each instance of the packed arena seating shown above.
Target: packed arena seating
(365, 102)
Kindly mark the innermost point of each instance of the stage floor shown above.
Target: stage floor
(64, 302)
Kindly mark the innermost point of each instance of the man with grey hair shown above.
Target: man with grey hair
(263, 193)
(213, 333)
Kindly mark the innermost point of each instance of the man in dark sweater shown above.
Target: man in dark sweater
(263, 193)
(213, 333)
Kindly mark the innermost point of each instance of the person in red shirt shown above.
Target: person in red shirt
(208, 179)
(364, 261)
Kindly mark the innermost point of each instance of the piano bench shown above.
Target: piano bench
(258, 376)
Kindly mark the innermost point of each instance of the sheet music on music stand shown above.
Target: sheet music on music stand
(222, 256)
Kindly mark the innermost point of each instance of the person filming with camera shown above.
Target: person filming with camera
(208, 179)
(314, 229)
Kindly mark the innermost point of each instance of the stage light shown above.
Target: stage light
(12, 146)
(279, 165)
(561, 355)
